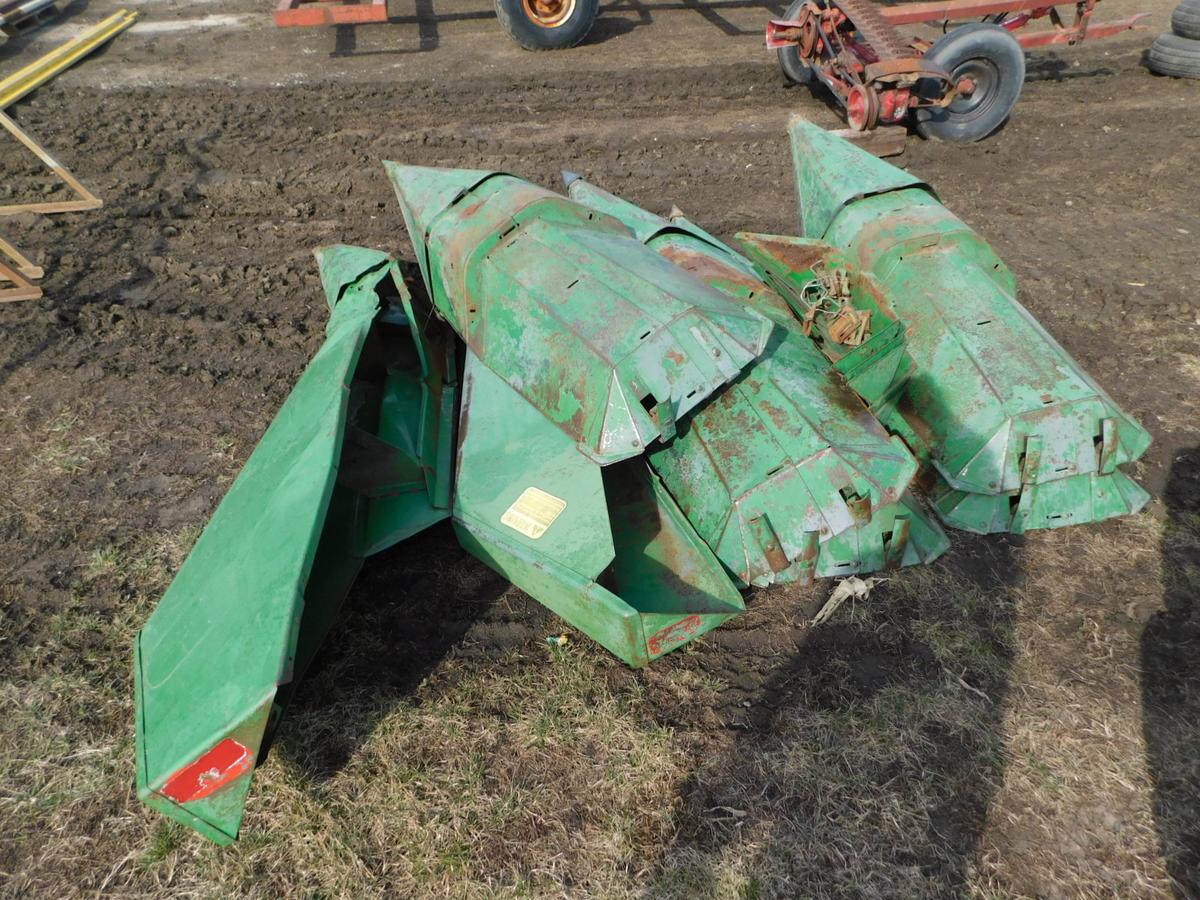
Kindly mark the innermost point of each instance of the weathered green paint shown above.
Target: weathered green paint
(831, 174)
(876, 369)
(604, 337)
(787, 457)
(900, 534)
(655, 230)
(1050, 504)
(993, 405)
(644, 425)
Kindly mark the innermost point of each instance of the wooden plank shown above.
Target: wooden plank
(306, 13)
(20, 290)
(887, 140)
(87, 200)
(25, 266)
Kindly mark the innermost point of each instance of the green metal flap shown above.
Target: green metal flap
(1053, 504)
(900, 534)
(521, 474)
(352, 463)
(224, 635)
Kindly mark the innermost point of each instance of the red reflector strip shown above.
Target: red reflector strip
(215, 769)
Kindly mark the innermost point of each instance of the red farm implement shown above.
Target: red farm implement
(958, 88)
(534, 24)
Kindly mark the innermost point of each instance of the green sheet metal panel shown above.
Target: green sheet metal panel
(535, 508)
(785, 457)
(224, 636)
(603, 336)
(828, 179)
(217, 662)
(900, 534)
(1052, 504)
(876, 369)
(994, 404)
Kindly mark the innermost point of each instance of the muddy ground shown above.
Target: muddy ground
(1018, 720)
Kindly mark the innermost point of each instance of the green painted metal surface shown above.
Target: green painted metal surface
(608, 340)
(831, 174)
(608, 550)
(216, 663)
(993, 405)
(786, 458)
(630, 420)
(224, 636)
(877, 368)
(899, 534)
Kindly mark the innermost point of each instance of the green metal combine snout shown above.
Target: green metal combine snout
(630, 420)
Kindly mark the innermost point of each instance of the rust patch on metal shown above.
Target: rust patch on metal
(674, 634)
(708, 269)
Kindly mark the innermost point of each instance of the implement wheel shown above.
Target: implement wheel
(794, 68)
(547, 24)
(987, 65)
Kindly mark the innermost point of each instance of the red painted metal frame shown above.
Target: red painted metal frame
(290, 13)
(1024, 11)
(1070, 35)
(844, 71)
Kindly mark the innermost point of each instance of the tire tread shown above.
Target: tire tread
(1185, 20)
(1173, 55)
(532, 37)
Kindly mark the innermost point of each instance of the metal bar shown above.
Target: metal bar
(87, 200)
(940, 10)
(24, 265)
(1071, 36)
(886, 140)
(38, 72)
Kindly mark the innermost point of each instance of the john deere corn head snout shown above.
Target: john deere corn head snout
(629, 419)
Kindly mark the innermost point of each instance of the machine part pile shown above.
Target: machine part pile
(629, 419)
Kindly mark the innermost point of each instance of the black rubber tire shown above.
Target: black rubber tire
(1173, 55)
(795, 70)
(1185, 21)
(533, 36)
(993, 57)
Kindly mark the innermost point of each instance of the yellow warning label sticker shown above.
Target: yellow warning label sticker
(533, 512)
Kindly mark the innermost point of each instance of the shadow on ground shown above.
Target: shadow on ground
(866, 763)
(409, 608)
(1171, 681)
(1052, 67)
